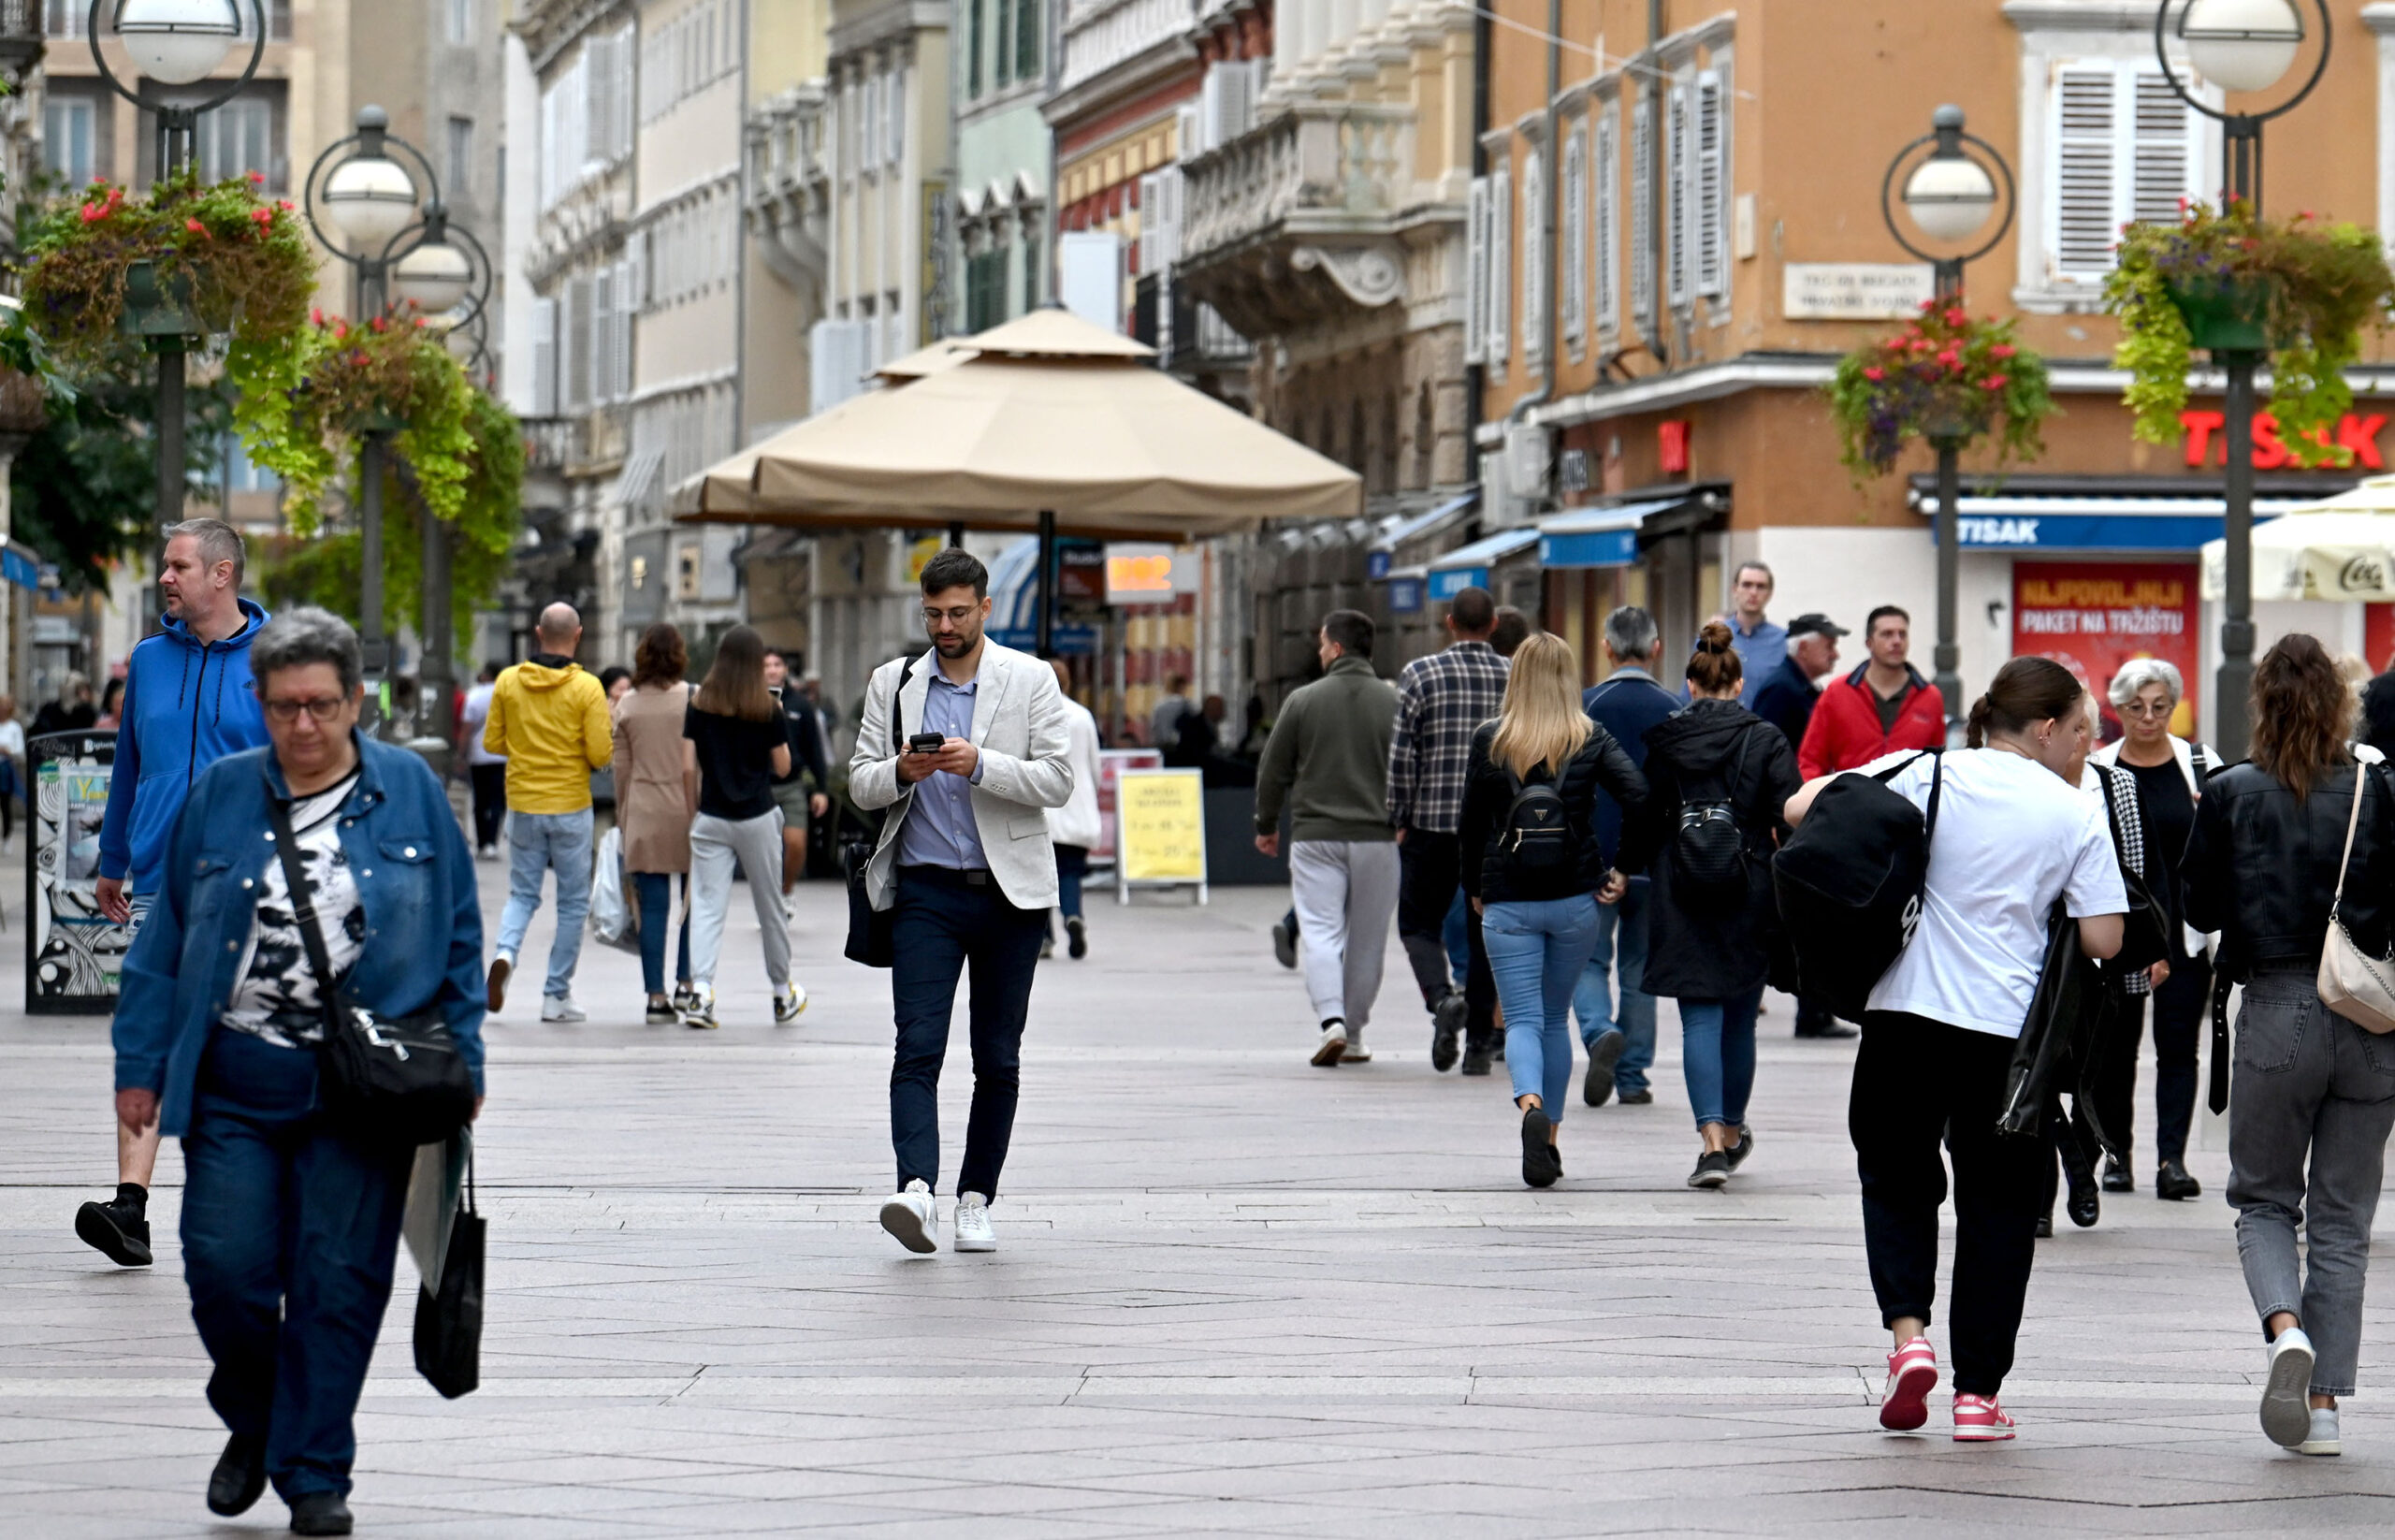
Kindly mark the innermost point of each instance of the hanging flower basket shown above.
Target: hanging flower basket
(2302, 291)
(1945, 379)
(183, 260)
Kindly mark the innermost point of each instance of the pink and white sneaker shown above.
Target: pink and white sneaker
(1978, 1420)
(1912, 1373)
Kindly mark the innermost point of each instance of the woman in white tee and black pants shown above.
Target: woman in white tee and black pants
(2014, 836)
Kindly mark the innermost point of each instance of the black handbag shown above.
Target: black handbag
(449, 1322)
(870, 939)
(400, 1081)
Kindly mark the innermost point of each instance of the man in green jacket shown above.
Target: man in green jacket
(1327, 758)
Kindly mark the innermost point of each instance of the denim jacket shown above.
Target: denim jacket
(415, 880)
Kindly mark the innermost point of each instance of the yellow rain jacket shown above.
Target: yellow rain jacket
(552, 724)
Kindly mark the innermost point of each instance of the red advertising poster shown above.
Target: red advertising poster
(2092, 617)
(2378, 636)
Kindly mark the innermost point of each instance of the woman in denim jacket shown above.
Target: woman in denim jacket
(290, 1224)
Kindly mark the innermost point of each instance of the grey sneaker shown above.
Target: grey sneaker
(2323, 1439)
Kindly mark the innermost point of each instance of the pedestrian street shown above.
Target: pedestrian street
(1235, 1294)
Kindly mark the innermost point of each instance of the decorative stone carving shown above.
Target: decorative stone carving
(1371, 276)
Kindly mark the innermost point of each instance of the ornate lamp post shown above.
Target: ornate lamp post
(1949, 195)
(2241, 46)
(369, 199)
(175, 42)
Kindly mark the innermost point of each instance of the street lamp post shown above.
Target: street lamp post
(176, 42)
(2241, 46)
(1950, 195)
(369, 199)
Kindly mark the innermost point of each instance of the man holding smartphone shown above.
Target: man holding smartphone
(968, 753)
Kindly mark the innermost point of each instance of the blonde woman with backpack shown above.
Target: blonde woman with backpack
(1718, 776)
(1535, 872)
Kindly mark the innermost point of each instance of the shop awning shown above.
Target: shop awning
(1468, 566)
(1596, 537)
(1385, 545)
(2066, 523)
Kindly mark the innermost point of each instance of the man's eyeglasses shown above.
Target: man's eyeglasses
(324, 708)
(955, 617)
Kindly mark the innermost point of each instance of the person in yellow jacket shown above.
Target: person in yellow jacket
(550, 719)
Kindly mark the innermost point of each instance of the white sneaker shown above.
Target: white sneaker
(699, 1012)
(2324, 1439)
(2286, 1406)
(1334, 1046)
(974, 1231)
(562, 1007)
(789, 1002)
(913, 1217)
(1355, 1052)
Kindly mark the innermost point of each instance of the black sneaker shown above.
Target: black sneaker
(1712, 1170)
(1447, 1030)
(117, 1230)
(1285, 942)
(240, 1477)
(1641, 1097)
(1596, 1087)
(1745, 1147)
(2116, 1176)
(319, 1513)
(1077, 939)
(1541, 1166)
(2046, 1226)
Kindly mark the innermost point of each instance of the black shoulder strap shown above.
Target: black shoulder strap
(303, 905)
(897, 720)
(1936, 758)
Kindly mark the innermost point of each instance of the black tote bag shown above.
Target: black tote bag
(449, 1322)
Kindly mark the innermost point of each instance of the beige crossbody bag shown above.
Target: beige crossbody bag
(2353, 983)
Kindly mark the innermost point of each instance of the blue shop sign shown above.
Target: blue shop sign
(1065, 641)
(1605, 549)
(1376, 565)
(1405, 596)
(1447, 582)
(20, 569)
(2178, 525)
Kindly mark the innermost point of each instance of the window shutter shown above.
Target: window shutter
(1476, 272)
(897, 145)
(1189, 137)
(603, 336)
(2084, 123)
(1150, 210)
(1642, 210)
(1536, 319)
(2165, 151)
(1501, 264)
(1169, 184)
(627, 307)
(574, 346)
(1573, 298)
(1679, 227)
(1606, 194)
(544, 357)
(1712, 185)
(1027, 18)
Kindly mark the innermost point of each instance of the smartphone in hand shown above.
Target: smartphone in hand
(925, 743)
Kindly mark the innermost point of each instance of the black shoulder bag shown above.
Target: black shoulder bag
(869, 929)
(402, 1081)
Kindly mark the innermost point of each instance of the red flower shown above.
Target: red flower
(1948, 358)
(379, 325)
(93, 211)
(1956, 316)
(284, 203)
(1872, 371)
(2001, 350)
(1928, 305)
(340, 331)
(1994, 382)
(317, 315)
(257, 179)
(194, 227)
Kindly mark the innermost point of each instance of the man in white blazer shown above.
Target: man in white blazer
(966, 869)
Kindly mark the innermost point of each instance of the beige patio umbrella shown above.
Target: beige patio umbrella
(2339, 548)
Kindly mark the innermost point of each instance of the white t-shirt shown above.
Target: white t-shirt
(13, 738)
(477, 718)
(2012, 837)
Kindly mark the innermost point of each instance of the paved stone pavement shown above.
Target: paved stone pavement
(1237, 1295)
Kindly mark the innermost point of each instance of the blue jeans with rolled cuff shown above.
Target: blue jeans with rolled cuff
(1717, 1056)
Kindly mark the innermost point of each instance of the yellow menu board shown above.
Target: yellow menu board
(1161, 822)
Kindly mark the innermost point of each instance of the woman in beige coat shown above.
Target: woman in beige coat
(656, 798)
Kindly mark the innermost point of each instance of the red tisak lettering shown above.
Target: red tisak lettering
(2206, 440)
(2269, 452)
(2360, 435)
(2200, 427)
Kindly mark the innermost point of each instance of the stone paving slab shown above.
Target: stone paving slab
(1237, 1296)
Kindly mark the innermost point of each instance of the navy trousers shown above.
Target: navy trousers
(289, 1229)
(942, 923)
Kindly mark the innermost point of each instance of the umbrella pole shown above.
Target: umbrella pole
(956, 533)
(1047, 583)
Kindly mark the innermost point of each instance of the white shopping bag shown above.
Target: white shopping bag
(611, 915)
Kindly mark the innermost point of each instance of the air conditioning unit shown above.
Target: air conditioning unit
(1527, 460)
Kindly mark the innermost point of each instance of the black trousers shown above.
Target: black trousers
(1428, 874)
(1918, 1082)
(2179, 1007)
(490, 803)
(943, 923)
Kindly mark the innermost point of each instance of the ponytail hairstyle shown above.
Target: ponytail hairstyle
(2026, 690)
(2302, 713)
(1714, 666)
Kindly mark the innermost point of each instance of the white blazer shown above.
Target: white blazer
(1077, 822)
(1021, 729)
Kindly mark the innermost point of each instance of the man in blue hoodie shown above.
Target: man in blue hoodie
(187, 704)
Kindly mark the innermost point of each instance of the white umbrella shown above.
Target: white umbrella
(2337, 549)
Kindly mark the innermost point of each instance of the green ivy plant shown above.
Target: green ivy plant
(1944, 375)
(2311, 287)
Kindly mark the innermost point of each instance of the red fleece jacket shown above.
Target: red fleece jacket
(1845, 729)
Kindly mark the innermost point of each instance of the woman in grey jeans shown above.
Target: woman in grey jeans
(737, 741)
(2314, 1094)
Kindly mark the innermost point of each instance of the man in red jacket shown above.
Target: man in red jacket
(1878, 709)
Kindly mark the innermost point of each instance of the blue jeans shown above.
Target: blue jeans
(656, 908)
(941, 924)
(1072, 867)
(1536, 951)
(289, 1232)
(539, 842)
(1456, 935)
(1718, 1055)
(1593, 1000)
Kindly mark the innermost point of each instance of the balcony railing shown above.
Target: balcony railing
(790, 185)
(552, 443)
(1314, 170)
(1101, 33)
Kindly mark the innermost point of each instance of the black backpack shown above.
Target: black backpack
(1708, 851)
(1849, 881)
(1535, 841)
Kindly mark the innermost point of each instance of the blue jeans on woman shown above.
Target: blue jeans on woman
(656, 906)
(1718, 1055)
(1537, 950)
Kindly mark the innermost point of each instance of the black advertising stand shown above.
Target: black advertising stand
(72, 951)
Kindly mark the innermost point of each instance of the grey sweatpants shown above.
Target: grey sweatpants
(756, 843)
(1345, 890)
(2305, 1082)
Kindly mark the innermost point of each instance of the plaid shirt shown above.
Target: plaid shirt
(1442, 699)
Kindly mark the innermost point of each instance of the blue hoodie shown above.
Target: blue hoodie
(187, 704)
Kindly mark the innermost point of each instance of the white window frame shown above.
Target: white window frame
(1604, 203)
(458, 16)
(1475, 272)
(1573, 287)
(2036, 287)
(74, 115)
(1532, 245)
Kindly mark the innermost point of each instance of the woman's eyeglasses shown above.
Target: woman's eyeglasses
(2147, 708)
(324, 708)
